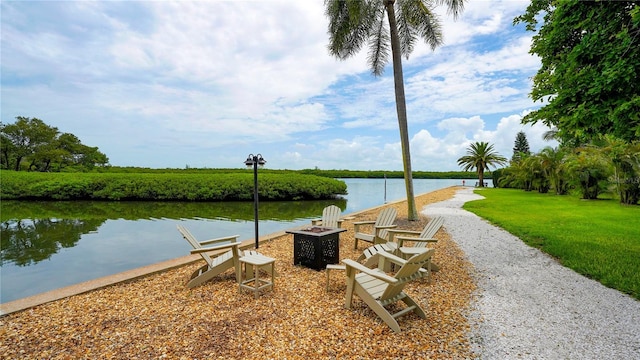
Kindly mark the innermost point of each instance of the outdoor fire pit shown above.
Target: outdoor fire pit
(316, 246)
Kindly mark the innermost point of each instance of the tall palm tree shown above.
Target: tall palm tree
(480, 155)
(352, 23)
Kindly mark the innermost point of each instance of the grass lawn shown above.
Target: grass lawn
(597, 238)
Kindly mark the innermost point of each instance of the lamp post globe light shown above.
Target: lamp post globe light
(255, 161)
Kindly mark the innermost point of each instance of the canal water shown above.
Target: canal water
(49, 245)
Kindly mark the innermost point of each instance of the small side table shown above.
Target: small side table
(255, 284)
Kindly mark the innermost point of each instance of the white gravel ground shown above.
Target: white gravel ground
(530, 307)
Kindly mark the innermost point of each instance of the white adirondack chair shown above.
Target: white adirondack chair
(379, 228)
(396, 245)
(379, 290)
(215, 264)
(420, 240)
(330, 217)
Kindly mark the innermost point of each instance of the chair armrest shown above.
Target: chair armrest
(427, 240)
(393, 233)
(402, 239)
(364, 222)
(401, 231)
(226, 238)
(378, 229)
(217, 247)
(343, 219)
(375, 273)
(315, 221)
(393, 258)
(357, 224)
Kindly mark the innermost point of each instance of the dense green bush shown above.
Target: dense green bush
(220, 186)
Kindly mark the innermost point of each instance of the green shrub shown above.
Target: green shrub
(192, 186)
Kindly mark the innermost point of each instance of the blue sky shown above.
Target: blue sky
(205, 83)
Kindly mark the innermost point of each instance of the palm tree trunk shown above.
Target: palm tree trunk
(401, 109)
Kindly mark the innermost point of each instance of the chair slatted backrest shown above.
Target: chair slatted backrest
(330, 216)
(408, 272)
(186, 234)
(430, 230)
(386, 218)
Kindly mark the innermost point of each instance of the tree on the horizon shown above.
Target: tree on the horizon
(480, 155)
(356, 23)
(43, 146)
(520, 147)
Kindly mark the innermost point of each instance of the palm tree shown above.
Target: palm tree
(352, 23)
(588, 170)
(554, 169)
(625, 160)
(480, 155)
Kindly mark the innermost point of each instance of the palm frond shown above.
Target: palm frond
(480, 155)
(406, 33)
(454, 7)
(350, 23)
(379, 43)
(425, 22)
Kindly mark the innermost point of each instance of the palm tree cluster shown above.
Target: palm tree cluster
(607, 164)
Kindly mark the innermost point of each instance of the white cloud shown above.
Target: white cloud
(164, 84)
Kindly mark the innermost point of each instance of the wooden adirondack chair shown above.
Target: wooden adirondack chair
(330, 217)
(420, 242)
(215, 265)
(421, 239)
(371, 260)
(380, 227)
(378, 290)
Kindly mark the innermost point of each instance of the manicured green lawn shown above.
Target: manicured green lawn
(597, 238)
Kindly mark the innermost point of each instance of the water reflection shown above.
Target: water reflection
(26, 242)
(136, 210)
(56, 225)
(47, 245)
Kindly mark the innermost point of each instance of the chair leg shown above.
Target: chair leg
(328, 271)
(331, 267)
(351, 282)
(417, 309)
(378, 309)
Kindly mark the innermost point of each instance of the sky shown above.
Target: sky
(203, 84)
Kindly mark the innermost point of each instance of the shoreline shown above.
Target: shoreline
(157, 316)
(21, 304)
(147, 238)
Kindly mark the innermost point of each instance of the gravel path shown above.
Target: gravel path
(529, 306)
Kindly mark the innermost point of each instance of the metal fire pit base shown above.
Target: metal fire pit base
(315, 247)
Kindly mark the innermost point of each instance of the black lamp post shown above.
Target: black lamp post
(255, 161)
